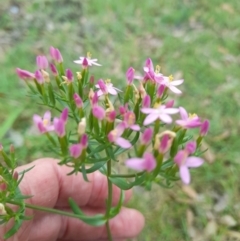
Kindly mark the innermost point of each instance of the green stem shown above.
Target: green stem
(43, 209)
(109, 200)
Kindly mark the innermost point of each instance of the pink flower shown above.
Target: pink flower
(147, 136)
(184, 162)
(78, 101)
(69, 75)
(98, 112)
(204, 128)
(171, 84)
(42, 62)
(130, 75)
(161, 113)
(106, 88)
(76, 149)
(24, 74)
(43, 124)
(188, 122)
(146, 101)
(115, 136)
(53, 69)
(88, 61)
(129, 120)
(147, 163)
(160, 90)
(111, 116)
(39, 77)
(59, 123)
(150, 74)
(56, 55)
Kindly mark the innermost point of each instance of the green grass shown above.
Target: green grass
(196, 40)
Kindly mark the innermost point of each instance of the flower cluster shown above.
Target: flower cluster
(151, 129)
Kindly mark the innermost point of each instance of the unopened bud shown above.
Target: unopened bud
(82, 126)
(2, 209)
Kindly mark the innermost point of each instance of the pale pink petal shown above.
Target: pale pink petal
(150, 118)
(171, 110)
(174, 89)
(112, 91)
(183, 113)
(193, 161)
(165, 118)
(185, 174)
(180, 157)
(148, 110)
(99, 93)
(136, 164)
(149, 162)
(47, 115)
(123, 142)
(135, 127)
(37, 119)
(176, 82)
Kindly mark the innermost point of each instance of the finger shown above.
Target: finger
(50, 186)
(127, 224)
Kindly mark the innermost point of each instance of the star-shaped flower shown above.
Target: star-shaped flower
(161, 112)
(188, 121)
(88, 60)
(171, 84)
(184, 161)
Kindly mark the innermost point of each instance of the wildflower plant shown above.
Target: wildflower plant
(94, 126)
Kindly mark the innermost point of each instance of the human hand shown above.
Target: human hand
(51, 188)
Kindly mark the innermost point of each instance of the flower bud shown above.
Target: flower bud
(204, 128)
(160, 90)
(84, 141)
(98, 112)
(147, 136)
(2, 209)
(39, 77)
(169, 104)
(53, 69)
(82, 126)
(78, 101)
(146, 102)
(24, 74)
(42, 62)
(130, 75)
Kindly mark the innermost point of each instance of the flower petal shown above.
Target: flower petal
(193, 161)
(123, 143)
(177, 82)
(150, 118)
(135, 127)
(185, 174)
(165, 118)
(183, 113)
(147, 110)
(135, 163)
(175, 89)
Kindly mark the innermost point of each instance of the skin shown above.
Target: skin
(50, 187)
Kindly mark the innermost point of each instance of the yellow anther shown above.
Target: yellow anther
(89, 55)
(170, 78)
(157, 105)
(107, 81)
(191, 116)
(45, 122)
(157, 70)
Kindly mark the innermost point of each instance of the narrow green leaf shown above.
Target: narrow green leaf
(14, 229)
(97, 220)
